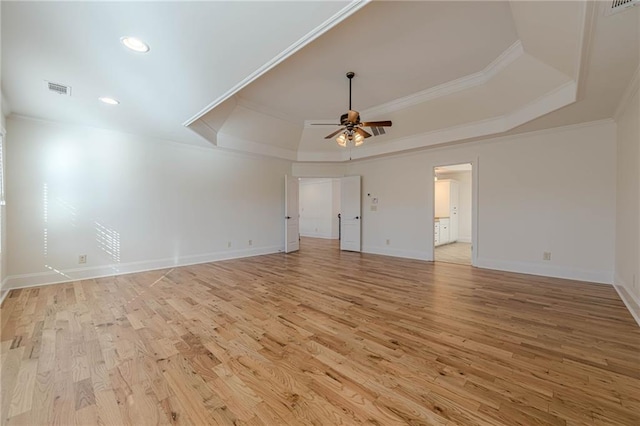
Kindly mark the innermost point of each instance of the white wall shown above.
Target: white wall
(464, 180)
(318, 209)
(131, 203)
(546, 191)
(3, 223)
(627, 265)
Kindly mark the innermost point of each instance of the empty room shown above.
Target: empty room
(320, 212)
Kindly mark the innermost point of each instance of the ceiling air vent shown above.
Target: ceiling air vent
(58, 88)
(619, 5)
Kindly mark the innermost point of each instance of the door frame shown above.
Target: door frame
(336, 175)
(295, 216)
(474, 204)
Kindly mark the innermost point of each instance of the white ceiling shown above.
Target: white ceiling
(442, 71)
(395, 48)
(199, 51)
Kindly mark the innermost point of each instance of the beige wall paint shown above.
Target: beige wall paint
(627, 266)
(132, 203)
(545, 191)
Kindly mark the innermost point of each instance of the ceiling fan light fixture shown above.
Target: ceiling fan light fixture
(352, 128)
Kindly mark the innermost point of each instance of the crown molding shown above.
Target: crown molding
(586, 42)
(479, 78)
(552, 100)
(556, 98)
(631, 90)
(202, 129)
(338, 17)
(492, 138)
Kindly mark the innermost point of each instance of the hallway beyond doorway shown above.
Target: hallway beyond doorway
(454, 253)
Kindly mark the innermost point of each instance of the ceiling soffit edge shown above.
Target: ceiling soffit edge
(201, 128)
(590, 11)
(347, 11)
(308, 158)
(552, 100)
(479, 78)
(631, 89)
(556, 98)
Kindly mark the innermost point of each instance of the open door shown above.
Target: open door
(291, 215)
(350, 213)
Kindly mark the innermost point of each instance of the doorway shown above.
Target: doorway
(319, 208)
(323, 208)
(453, 214)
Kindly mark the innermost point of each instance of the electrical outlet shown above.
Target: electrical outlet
(82, 258)
(388, 241)
(546, 255)
(228, 244)
(250, 242)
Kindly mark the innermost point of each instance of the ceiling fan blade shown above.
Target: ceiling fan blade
(377, 124)
(363, 132)
(353, 116)
(334, 133)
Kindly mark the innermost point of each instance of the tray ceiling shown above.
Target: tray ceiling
(253, 76)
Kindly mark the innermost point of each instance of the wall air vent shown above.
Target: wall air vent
(616, 6)
(58, 88)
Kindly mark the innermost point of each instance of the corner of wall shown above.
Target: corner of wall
(631, 302)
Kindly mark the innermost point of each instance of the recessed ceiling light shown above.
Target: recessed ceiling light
(109, 101)
(135, 44)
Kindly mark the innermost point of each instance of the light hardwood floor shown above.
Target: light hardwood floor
(453, 253)
(319, 337)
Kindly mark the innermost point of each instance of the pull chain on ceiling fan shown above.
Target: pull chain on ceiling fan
(352, 128)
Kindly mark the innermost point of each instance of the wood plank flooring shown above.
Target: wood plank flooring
(319, 337)
(453, 253)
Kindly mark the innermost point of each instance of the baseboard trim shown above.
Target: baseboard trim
(632, 304)
(407, 254)
(4, 291)
(598, 277)
(463, 240)
(323, 236)
(55, 276)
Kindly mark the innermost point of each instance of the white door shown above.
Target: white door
(350, 213)
(291, 215)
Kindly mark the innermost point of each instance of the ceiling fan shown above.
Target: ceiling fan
(352, 127)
